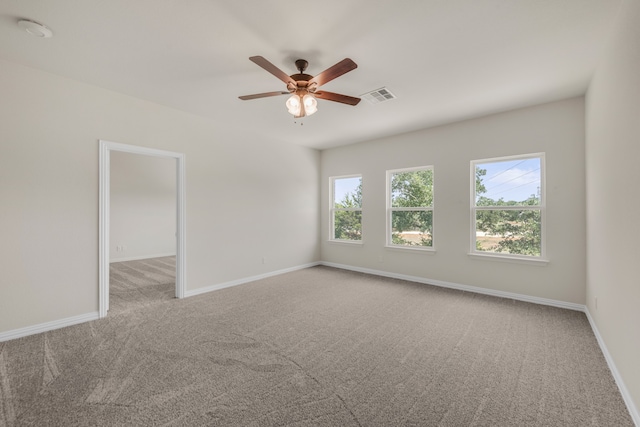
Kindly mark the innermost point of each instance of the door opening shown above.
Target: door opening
(106, 148)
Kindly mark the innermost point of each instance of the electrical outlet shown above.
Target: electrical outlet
(264, 260)
(596, 302)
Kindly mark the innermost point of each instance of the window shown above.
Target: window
(410, 208)
(346, 208)
(508, 206)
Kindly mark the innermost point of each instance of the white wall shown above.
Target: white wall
(556, 129)
(245, 198)
(613, 205)
(143, 206)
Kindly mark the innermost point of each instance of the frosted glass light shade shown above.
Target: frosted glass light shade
(295, 102)
(310, 104)
(293, 105)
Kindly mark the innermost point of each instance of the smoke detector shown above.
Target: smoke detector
(35, 29)
(379, 95)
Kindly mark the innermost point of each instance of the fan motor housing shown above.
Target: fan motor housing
(301, 77)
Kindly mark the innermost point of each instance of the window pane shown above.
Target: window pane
(412, 189)
(348, 225)
(508, 231)
(508, 183)
(347, 192)
(412, 228)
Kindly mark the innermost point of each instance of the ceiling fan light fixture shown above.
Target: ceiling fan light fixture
(302, 88)
(302, 105)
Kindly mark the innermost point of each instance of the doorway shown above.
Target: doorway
(106, 149)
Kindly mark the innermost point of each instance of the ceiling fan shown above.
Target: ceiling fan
(303, 88)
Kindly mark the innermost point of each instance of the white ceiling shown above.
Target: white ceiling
(445, 60)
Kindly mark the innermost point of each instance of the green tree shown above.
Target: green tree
(480, 188)
(519, 230)
(348, 224)
(412, 189)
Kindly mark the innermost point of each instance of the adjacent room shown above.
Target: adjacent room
(336, 213)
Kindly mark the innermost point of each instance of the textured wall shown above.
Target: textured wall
(143, 206)
(613, 206)
(246, 198)
(556, 129)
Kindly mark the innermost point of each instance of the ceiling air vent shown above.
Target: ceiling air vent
(379, 95)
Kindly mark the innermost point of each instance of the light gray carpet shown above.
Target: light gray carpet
(136, 284)
(316, 347)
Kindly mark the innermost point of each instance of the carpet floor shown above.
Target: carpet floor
(137, 284)
(315, 347)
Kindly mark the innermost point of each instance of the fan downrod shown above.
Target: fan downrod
(301, 65)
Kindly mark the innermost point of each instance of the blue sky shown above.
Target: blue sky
(511, 180)
(344, 186)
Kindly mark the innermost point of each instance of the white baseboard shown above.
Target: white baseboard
(70, 321)
(190, 293)
(450, 285)
(633, 411)
(47, 326)
(137, 258)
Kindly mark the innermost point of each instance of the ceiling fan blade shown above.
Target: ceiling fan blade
(262, 95)
(331, 73)
(262, 62)
(330, 96)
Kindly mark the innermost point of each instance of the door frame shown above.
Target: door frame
(106, 147)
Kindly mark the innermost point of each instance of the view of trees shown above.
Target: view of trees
(411, 193)
(510, 230)
(348, 215)
(505, 226)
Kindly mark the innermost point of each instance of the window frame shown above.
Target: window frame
(390, 209)
(541, 207)
(333, 209)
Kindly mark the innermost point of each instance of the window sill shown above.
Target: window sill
(424, 250)
(346, 242)
(512, 259)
